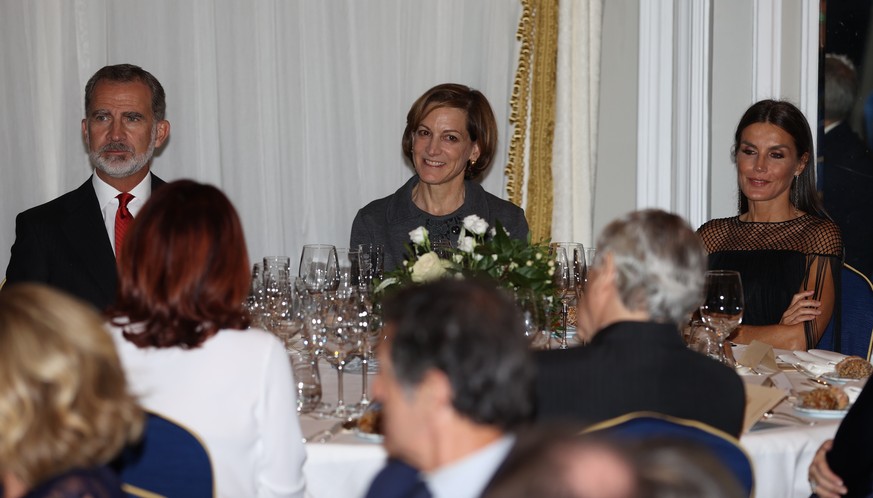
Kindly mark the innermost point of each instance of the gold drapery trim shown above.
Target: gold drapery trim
(533, 96)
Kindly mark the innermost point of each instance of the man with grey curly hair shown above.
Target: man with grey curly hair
(647, 279)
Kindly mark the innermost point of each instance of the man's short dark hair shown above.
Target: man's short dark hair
(123, 73)
(472, 332)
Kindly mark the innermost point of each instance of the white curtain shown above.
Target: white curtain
(574, 151)
(294, 108)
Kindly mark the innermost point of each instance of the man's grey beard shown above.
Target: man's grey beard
(122, 169)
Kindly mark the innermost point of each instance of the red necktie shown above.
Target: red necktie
(122, 220)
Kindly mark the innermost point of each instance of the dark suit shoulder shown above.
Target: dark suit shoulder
(66, 202)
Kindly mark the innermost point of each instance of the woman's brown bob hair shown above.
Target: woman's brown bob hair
(184, 270)
(64, 403)
(481, 125)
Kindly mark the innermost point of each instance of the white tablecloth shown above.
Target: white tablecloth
(781, 455)
(345, 466)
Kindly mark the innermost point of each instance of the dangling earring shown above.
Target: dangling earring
(795, 195)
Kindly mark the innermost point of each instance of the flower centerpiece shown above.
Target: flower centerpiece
(480, 252)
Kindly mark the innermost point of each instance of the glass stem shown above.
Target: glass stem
(339, 380)
(365, 367)
(565, 309)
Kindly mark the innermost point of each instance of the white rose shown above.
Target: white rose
(418, 236)
(428, 267)
(475, 224)
(467, 244)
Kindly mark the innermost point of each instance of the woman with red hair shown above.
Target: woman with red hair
(179, 327)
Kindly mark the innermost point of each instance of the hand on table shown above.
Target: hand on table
(822, 480)
(802, 309)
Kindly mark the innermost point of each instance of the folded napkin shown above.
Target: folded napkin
(815, 365)
(759, 399)
(829, 356)
(757, 355)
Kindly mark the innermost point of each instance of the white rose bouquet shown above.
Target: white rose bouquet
(481, 253)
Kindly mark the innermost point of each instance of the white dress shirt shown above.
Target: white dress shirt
(468, 477)
(107, 198)
(236, 392)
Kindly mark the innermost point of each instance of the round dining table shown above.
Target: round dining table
(780, 448)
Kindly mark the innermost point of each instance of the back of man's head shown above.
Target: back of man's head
(660, 263)
(472, 333)
(841, 87)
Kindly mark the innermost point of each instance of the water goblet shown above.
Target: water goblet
(722, 307)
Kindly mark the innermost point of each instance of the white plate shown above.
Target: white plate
(369, 436)
(816, 413)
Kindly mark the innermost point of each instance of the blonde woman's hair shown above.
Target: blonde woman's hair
(64, 402)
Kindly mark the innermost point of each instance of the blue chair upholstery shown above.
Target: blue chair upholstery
(169, 461)
(856, 317)
(644, 425)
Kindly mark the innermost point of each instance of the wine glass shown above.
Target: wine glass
(722, 307)
(319, 268)
(370, 328)
(342, 337)
(568, 278)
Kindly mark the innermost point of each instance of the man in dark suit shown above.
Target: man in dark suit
(647, 279)
(841, 145)
(71, 242)
(847, 168)
(455, 383)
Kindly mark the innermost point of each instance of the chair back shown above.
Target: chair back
(168, 461)
(650, 425)
(856, 316)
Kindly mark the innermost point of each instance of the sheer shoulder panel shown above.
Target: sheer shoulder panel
(807, 234)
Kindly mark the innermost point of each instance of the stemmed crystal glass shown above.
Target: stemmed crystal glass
(722, 307)
(370, 328)
(319, 268)
(569, 277)
(342, 337)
